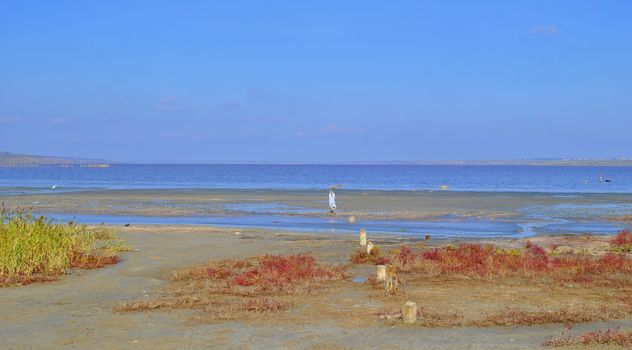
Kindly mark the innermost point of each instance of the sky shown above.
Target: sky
(316, 81)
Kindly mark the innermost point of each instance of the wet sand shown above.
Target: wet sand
(363, 204)
(76, 312)
(444, 213)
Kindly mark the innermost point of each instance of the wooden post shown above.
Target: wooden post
(391, 282)
(381, 273)
(369, 247)
(409, 314)
(351, 219)
(362, 238)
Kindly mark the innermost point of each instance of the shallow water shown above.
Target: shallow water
(517, 201)
(456, 228)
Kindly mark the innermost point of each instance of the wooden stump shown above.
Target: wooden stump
(391, 283)
(362, 238)
(409, 314)
(381, 273)
(369, 247)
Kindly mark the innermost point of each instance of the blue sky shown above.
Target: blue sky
(197, 81)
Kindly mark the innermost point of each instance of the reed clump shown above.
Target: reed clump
(34, 248)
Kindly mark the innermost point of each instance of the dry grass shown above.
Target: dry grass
(507, 317)
(516, 317)
(592, 338)
(231, 289)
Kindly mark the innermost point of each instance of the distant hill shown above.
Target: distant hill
(522, 162)
(17, 160)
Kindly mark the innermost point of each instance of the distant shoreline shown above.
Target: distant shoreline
(626, 163)
(25, 160)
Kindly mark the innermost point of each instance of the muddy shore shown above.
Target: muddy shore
(77, 312)
(501, 214)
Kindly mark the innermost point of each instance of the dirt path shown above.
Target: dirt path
(76, 312)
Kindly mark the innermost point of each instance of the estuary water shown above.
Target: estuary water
(583, 199)
(550, 179)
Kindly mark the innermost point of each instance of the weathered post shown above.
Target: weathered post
(381, 273)
(362, 238)
(391, 282)
(369, 247)
(409, 314)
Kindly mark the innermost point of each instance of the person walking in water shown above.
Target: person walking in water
(332, 200)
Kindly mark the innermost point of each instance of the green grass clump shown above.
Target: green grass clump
(34, 248)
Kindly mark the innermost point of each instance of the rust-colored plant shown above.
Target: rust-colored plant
(622, 242)
(374, 258)
(599, 337)
(488, 261)
(228, 289)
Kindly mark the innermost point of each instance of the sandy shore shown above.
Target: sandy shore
(77, 311)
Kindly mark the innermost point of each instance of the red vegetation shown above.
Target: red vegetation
(231, 289)
(279, 272)
(24, 280)
(473, 259)
(622, 241)
(266, 275)
(487, 261)
(89, 262)
(516, 317)
(607, 337)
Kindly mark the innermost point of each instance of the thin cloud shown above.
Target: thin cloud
(169, 103)
(10, 120)
(331, 129)
(335, 129)
(231, 105)
(57, 121)
(546, 30)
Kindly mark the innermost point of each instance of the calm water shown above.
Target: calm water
(383, 177)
